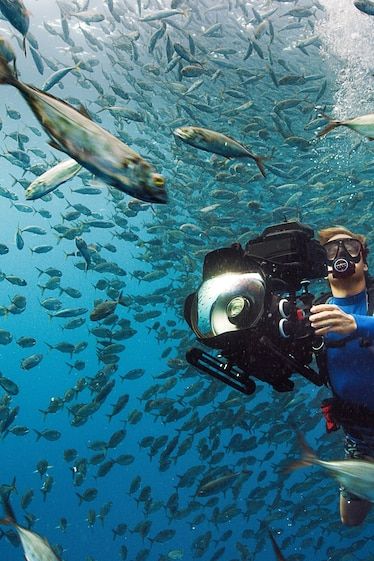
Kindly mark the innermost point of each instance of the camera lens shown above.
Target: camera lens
(238, 310)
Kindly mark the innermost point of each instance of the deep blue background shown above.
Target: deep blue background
(328, 182)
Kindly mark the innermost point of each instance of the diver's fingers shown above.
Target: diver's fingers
(324, 307)
(333, 314)
(322, 331)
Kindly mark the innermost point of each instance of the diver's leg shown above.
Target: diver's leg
(353, 510)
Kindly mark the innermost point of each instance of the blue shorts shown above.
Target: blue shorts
(357, 446)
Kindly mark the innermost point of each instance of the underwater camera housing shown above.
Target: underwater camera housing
(254, 304)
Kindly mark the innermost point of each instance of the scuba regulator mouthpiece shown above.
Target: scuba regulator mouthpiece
(343, 268)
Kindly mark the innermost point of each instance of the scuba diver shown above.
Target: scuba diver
(254, 307)
(345, 321)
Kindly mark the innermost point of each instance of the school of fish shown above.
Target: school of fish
(136, 136)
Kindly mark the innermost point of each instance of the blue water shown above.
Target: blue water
(324, 182)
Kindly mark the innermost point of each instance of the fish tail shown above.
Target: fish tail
(308, 455)
(13, 485)
(331, 126)
(333, 123)
(121, 299)
(38, 435)
(276, 548)
(259, 161)
(13, 184)
(10, 518)
(45, 413)
(6, 74)
(296, 465)
(80, 498)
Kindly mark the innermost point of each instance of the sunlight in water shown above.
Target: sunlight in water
(348, 37)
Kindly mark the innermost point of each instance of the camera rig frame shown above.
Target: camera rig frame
(283, 342)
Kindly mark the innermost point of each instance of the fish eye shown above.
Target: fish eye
(159, 181)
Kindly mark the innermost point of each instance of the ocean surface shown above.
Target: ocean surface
(141, 498)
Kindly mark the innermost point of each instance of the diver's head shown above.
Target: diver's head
(346, 256)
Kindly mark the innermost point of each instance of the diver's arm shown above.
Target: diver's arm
(329, 318)
(365, 325)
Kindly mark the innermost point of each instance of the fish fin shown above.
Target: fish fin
(38, 434)
(83, 111)
(15, 68)
(121, 299)
(46, 94)
(55, 145)
(6, 75)
(296, 464)
(332, 124)
(276, 548)
(303, 50)
(10, 518)
(371, 138)
(80, 498)
(259, 161)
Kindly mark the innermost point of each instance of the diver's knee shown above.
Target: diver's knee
(351, 521)
(353, 513)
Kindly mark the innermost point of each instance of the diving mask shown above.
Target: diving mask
(342, 256)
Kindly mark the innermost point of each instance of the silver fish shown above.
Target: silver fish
(216, 142)
(51, 179)
(34, 546)
(57, 76)
(364, 125)
(16, 13)
(90, 145)
(84, 251)
(355, 475)
(162, 14)
(365, 6)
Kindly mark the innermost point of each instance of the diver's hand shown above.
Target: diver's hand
(326, 318)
